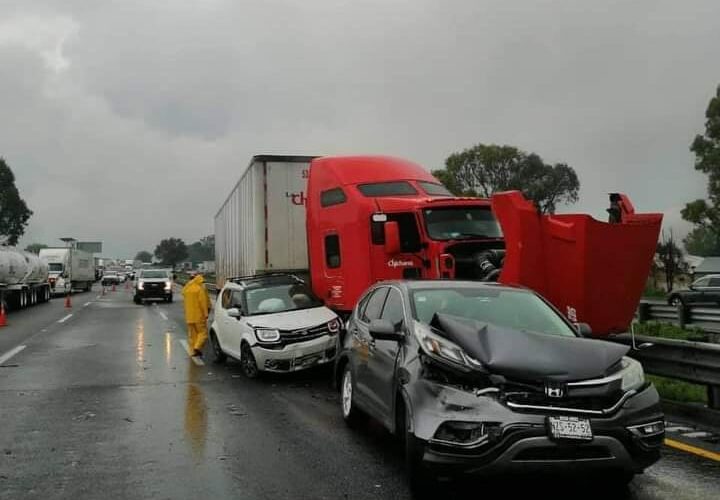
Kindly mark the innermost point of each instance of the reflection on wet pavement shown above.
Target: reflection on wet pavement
(195, 416)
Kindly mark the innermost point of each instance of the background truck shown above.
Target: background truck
(69, 268)
(23, 279)
(349, 222)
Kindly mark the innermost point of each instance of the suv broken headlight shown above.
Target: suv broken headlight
(443, 349)
(633, 376)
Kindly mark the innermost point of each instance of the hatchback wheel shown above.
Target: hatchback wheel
(676, 301)
(352, 415)
(248, 363)
(219, 356)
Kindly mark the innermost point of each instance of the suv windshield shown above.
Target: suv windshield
(461, 223)
(515, 309)
(280, 298)
(154, 275)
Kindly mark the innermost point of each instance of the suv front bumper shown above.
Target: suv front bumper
(297, 356)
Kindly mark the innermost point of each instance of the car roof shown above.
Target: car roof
(411, 285)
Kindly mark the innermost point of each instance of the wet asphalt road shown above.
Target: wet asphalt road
(107, 404)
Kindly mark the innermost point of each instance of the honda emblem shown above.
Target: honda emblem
(554, 391)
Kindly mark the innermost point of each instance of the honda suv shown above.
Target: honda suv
(272, 323)
(479, 378)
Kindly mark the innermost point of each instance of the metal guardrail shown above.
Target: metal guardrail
(695, 362)
(704, 318)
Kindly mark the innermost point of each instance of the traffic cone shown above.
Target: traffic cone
(3, 316)
(68, 302)
(103, 291)
(113, 287)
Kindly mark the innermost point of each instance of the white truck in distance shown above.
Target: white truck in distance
(23, 279)
(70, 269)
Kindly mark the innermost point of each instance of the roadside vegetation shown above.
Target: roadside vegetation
(669, 331)
(677, 390)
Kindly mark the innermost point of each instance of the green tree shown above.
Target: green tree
(14, 212)
(705, 213)
(144, 256)
(488, 168)
(35, 247)
(671, 258)
(703, 242)
(171, 251)
(202, 250)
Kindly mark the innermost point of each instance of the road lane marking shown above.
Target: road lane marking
(63, 320)
(692, 449)
(164, 316)
(11, 353)
(195, 359)
(87, 304)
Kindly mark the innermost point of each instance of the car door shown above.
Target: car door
(698, 291)
(363, 343)
(221, 317)
(712, 293)
(382, 357)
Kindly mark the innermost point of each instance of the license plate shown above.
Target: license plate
(570, 428)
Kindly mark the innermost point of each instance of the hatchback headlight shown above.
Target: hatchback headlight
(633, 376)
(334, 326)
(267, 335)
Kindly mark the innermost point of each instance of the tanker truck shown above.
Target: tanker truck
(23, 279)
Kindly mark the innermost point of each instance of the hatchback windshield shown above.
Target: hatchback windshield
(280, 298)
(461, 223)
(154, 275)
(516, 309)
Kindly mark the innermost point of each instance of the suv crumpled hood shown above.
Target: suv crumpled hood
(527, 355)
(293, 320)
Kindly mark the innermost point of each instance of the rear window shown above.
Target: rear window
(332, 197)
(434, 189)
(395, 188)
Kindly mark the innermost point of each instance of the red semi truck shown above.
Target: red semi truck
(351, 221)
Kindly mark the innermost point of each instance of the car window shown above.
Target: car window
(236, 299)
(374, 305)
(393, 309)
(280, 298)
(714, 282)
(514, 309)
(702, 282)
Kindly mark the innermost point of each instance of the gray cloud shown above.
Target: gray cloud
(129, 121)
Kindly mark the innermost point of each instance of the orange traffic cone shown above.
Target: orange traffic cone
(3, 316)
(68, 302)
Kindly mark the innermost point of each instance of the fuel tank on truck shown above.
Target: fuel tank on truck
(594, 272)
(13, 266)
(37, 270)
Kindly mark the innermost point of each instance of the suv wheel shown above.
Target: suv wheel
(351, 414)
(219, 356)
(422, 481)
(248, 363)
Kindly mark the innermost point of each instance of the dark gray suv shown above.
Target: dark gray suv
(705, 290)
(478, 378)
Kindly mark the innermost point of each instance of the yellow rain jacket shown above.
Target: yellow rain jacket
(197, 300)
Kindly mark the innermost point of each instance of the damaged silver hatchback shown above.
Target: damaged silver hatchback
(480, 378)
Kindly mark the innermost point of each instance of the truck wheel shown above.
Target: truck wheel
(247, 362)
(219, 357)
(137, 300)
(170, 299)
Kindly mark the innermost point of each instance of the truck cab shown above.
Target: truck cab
(399, 215)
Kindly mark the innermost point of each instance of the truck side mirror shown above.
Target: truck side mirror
(392, 237)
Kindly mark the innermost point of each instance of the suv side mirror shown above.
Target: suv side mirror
(234, 312)
(392, 237)
(383, 329)
(584, 330)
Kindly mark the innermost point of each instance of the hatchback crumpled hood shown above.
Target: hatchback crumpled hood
(293, 320)
(530, 356)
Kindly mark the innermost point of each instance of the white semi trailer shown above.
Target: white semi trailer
(23, 279)
(70, 269)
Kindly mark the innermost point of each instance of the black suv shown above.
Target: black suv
(705, 290)
(479, 378)
(153, 284)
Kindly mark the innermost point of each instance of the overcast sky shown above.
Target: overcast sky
(129, 121)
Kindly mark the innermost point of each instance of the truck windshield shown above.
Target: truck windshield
(458, 223)
(280, 298)
(154, 275)
(55, 267)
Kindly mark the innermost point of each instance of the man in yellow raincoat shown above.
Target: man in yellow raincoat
(197, 308)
